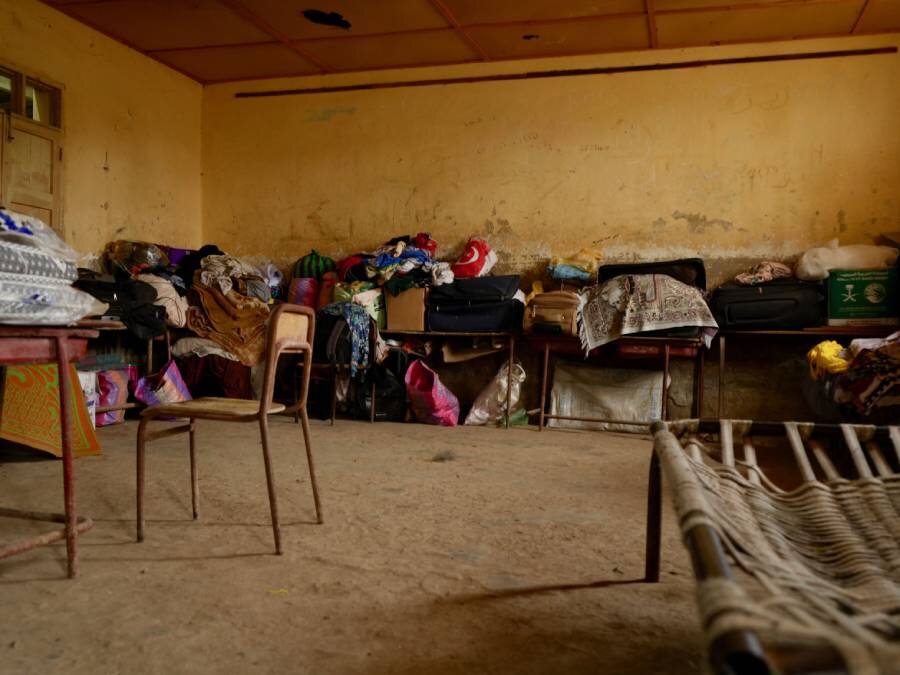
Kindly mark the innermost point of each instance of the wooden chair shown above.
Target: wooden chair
(290, 331)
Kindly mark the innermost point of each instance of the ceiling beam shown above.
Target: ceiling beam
(242, 11)
(448, 16)
(859, 18)
(650, 6)
(572, 72)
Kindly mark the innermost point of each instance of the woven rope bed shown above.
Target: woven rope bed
(805, 580)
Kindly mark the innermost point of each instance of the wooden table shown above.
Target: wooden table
(42, 344)
(550, 344)
(816, 332)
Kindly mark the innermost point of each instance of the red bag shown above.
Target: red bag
(431, 401)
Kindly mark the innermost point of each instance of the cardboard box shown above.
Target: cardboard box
(407, 310)
(869, 297)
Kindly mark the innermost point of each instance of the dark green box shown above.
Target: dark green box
(869, 297)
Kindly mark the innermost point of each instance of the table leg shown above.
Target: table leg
(665, 387)
(509, 377)
(65, 414)
(544, 369)
(698, 382)
(721, 409)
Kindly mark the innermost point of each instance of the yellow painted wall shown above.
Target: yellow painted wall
(740, 161)
(131, 157)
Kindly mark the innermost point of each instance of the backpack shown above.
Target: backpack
(332, 340)
(390, 396)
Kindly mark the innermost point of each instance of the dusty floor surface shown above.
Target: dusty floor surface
(481, 563)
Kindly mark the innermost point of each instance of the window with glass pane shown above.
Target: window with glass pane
(6, 86)
(41, 103)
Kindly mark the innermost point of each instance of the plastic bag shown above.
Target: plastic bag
(166, 386)
(430, 400)
(490, 405)
(113, 389)
(31, 231)
(133, 257)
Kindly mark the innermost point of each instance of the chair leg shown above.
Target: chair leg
(309, 458)
(333, 394)
(142, 428)
(295, 381)
(195, 485)
(273, 502)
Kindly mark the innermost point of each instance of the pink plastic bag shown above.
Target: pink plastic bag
(431, 401)
(166, 386)
(112, 386)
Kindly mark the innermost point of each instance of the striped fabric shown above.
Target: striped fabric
(313, 266)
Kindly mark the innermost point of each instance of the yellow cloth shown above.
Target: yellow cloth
(536, 289)
(825, 358)
(587, 259)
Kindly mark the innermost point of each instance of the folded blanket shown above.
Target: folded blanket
(234, 321)
(637, 303)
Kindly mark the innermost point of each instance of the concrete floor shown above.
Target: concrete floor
(464, 550)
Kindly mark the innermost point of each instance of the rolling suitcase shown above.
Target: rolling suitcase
(482, 304)
(783, 304)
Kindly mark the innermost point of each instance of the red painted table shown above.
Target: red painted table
(59, 345)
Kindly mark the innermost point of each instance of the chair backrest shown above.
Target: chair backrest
(291, 330)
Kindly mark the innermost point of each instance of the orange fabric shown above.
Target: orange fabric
(234, 321)
(30, 411)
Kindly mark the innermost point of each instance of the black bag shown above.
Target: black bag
(332, 341)
(130, 301)
(482, 304)
(390, 396)
(690, 271)
(779, 304)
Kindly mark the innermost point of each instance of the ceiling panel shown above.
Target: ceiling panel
(496, 11)
(881, 15)
(168, 24)
(666, 5)
(217, 64)
(271, 37)
(770, 23)
(383, 51)
(364, 16)
(558, 38)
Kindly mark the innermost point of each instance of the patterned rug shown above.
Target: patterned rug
(637, 303)
(29, 413)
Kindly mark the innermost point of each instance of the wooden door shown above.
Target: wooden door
(30, 166)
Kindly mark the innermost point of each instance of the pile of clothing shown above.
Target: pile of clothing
(401, 263)
(862, 380)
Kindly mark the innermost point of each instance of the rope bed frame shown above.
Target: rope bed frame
(799, 581)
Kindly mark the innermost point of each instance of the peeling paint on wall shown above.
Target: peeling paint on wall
(326, 114)
(699, 223)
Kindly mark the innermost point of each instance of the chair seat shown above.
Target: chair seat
(211, 408)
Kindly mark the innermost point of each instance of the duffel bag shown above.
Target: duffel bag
(554, 313)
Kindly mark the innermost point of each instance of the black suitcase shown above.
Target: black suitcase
(784, 304)
(690, 271)
(486, 317)
(483, 304)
